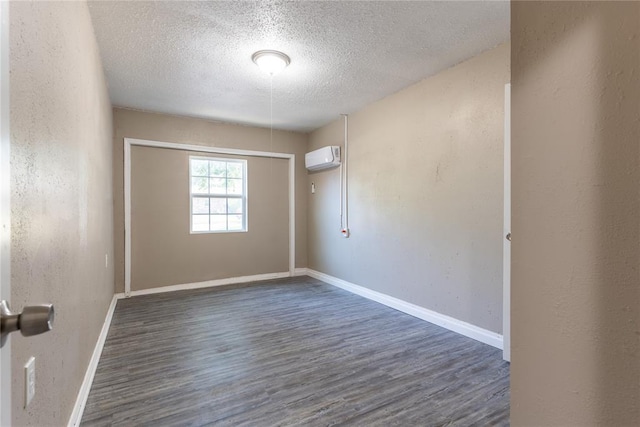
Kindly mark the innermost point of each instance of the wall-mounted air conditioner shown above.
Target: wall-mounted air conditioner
(323, 158)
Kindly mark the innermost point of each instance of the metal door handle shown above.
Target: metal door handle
(508, 236)
(34, 320)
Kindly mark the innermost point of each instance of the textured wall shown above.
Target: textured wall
(576, 203)
(61, 199)
(166, 128)
(425, 194)
(164, 252)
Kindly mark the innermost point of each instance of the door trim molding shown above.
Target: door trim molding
(506, 244)
(128, 142)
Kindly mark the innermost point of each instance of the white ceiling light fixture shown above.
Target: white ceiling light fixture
(271, 61)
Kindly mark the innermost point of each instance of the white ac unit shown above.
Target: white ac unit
(323, 158)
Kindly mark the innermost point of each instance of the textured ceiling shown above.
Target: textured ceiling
(194, 58)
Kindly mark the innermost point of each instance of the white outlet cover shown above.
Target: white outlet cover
(29, 380)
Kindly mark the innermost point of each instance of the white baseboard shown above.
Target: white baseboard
(446, 322)
(300, 271)
(85, 388)
(83, 394)
(209, 284)
(455, 325)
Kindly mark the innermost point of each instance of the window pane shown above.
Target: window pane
(218, 201)
(235, 206)
(218, 222)
(234, 170)
(200, 222)
(199, 185)
(218, 206)
(199, 167)
(217, 186)
(234, 186)
(218, 169)
(235, 222)
(200, 205)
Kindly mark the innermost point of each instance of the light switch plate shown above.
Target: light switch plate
(29, 381)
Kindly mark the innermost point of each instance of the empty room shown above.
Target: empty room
(315, 213)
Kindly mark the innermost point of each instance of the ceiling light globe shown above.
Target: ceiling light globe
(271, 61)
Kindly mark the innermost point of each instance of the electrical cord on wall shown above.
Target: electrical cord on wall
(271, 125)
(344, 185)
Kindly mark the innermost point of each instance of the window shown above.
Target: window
(218, 194)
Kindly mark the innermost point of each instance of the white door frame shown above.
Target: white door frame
(506, 244)
(128, 142)
(5, 210)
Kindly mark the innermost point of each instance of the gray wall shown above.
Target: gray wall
(61, 196)
(425, 194)
(576, 207)
(167, 128)
(164, 252)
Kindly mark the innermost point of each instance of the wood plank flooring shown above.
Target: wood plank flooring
(290, 352)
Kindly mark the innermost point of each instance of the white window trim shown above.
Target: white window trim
(128, 142)
(244, 197)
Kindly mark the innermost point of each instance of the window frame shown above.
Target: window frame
(243, 197)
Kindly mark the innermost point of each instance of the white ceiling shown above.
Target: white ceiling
(194, 58)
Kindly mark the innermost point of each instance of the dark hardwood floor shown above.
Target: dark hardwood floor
(290, 352)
